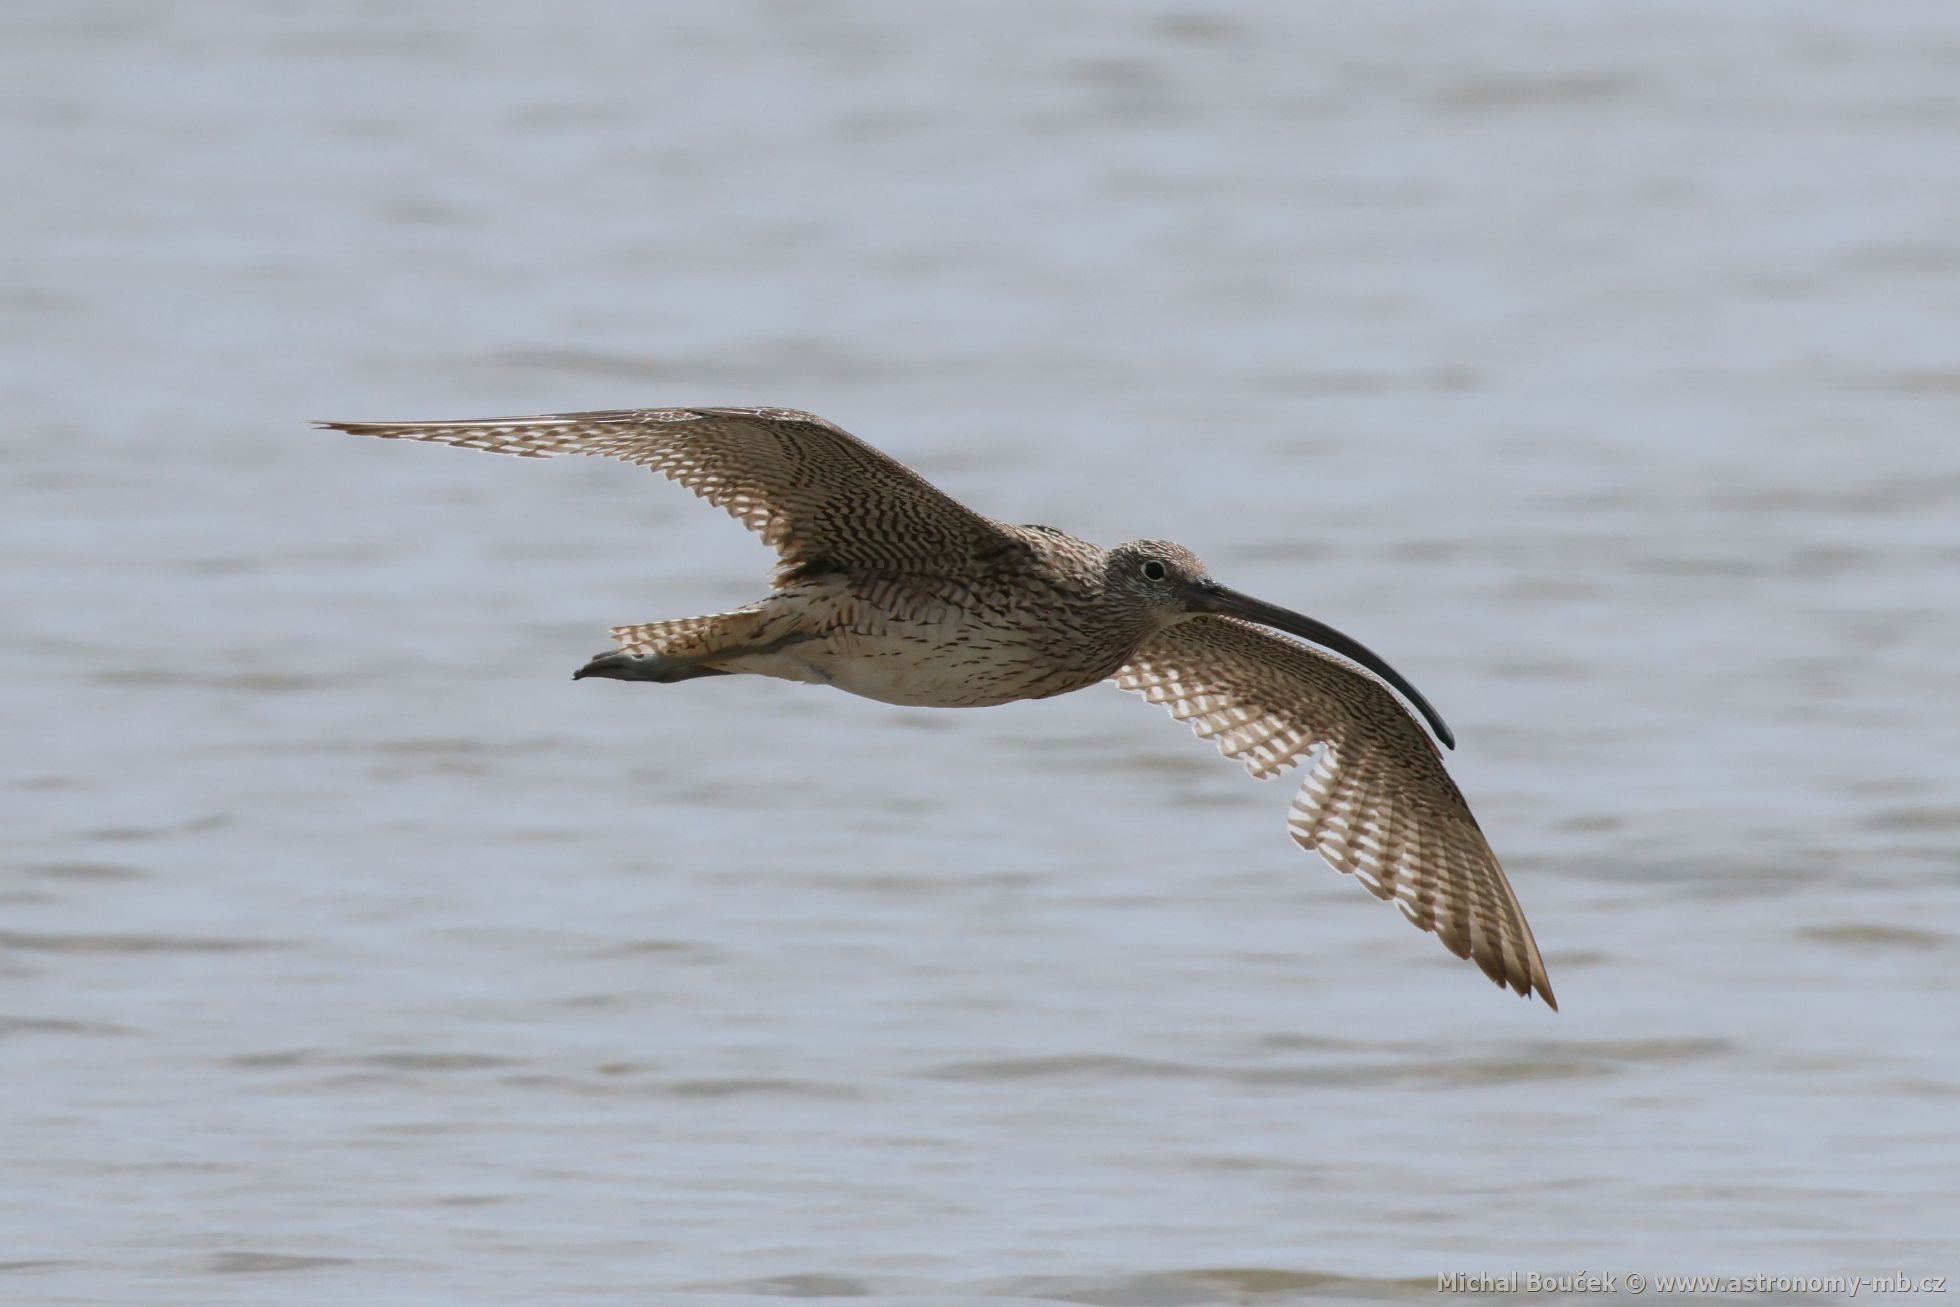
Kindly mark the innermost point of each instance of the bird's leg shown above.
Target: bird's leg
(618, 665)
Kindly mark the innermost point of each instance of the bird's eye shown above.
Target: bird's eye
(1153, 570)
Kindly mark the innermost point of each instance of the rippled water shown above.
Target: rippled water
(1597, 363)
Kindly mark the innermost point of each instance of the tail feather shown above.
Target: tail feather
(684, 637)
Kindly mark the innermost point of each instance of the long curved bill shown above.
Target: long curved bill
(1214, 598)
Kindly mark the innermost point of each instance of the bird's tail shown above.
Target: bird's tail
(688, 637)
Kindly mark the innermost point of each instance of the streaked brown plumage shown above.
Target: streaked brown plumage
(889, 589)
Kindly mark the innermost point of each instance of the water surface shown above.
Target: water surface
(1595, 363)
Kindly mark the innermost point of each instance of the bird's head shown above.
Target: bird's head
(1172, 584)
(1159, 576)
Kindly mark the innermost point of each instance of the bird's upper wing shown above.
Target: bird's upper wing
(816, 493)
(1377, 802)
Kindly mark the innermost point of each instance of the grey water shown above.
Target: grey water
(1596, 362)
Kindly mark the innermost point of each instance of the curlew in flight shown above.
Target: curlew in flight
(889, 589)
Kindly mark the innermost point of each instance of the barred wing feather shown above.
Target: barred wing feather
(1376, 803)
(815, 493)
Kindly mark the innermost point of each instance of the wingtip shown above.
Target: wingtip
(1527, 984)
(1536, 986)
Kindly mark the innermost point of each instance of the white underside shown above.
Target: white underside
(897, 678)
(936, 657)
(907, 672)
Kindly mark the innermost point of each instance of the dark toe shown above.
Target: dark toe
(613, 664)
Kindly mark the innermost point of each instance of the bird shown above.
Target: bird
(889, 589)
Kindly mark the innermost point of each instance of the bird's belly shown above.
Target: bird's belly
(921, 671)
(926, 642)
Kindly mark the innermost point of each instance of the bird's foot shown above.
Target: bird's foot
(618, 665)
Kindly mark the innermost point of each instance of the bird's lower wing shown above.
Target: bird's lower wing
(1377, 802)
(817, 494)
